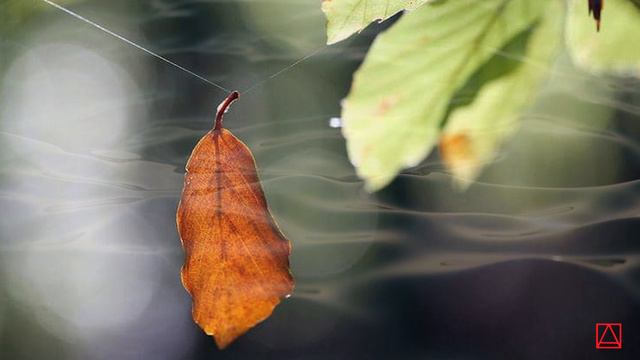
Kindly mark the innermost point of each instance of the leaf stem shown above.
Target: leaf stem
(222, 108)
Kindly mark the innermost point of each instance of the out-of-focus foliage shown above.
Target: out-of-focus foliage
(401, 93)
(474, 133)
(616, 48)
(345, 17)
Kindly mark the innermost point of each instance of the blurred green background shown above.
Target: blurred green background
(94, 135)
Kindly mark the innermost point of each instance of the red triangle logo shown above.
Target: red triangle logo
(609, 336)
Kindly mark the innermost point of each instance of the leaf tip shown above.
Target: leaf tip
(222, 343)
(375, 183)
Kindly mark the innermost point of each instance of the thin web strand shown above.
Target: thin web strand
(120, 37)
(280, 72)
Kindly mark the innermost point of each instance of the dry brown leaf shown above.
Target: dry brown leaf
(237, 260)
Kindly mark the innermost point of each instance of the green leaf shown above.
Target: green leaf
(345, 17)
(474, 133)
(616, 48)
(401, 93)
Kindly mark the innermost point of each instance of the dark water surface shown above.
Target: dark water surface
(94, 136)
